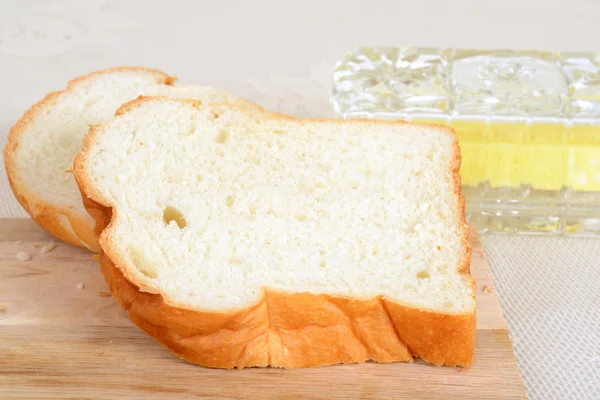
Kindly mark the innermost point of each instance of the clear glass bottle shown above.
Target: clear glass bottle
(528, 124)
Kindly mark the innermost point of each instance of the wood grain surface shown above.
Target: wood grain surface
(62, 337)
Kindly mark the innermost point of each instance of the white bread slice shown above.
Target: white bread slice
(43, 143)
(238, 240)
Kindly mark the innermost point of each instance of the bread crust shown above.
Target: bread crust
(288, 330)
(72, 227)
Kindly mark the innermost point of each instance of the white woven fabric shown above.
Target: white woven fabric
(549, 291)
(280, 55)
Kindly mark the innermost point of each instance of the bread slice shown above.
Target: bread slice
(45, 140)
(239, 241)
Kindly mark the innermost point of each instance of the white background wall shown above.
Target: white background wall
(228, 43)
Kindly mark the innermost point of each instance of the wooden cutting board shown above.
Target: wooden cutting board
(63, 336)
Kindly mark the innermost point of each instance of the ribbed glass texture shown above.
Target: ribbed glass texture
(528, 124)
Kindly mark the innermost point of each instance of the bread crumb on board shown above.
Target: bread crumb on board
(487, 289)
(96, 257)
(22, 256)
(3, 310)
(80, 286)
(104, 294)
(48, 248)
(18, 242)
(68, 170)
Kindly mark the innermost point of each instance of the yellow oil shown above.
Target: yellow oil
(506, 153)
(583, 143)
(547, 156)
(473, 150)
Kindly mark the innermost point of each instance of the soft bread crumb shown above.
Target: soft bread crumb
(23, 256)
(80, 286)
(48, 248)
(356, 209)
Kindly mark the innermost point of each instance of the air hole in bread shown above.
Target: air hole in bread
(222, 137)
(230, 200)
(442, 269)
(144, 266)
(423, 275)
(301, 217)
(171, 214)
(148, 273)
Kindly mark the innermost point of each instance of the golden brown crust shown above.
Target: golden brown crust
(283, 329)
(60, 222)
(297, 330)
(74, 229)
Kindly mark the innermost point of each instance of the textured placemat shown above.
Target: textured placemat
(549, 290)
